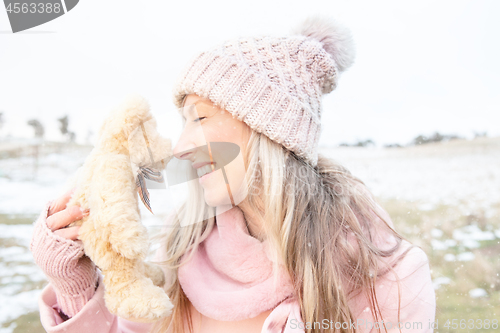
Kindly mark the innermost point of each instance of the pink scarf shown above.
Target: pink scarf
(230, 278)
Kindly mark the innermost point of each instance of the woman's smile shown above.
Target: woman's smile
(204, 170)
(204, 173)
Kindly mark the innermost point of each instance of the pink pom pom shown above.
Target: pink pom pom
(336, 39)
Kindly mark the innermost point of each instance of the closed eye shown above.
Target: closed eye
(199, 119)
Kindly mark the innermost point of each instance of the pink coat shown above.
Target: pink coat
(417, 311)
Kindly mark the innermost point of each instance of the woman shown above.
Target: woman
(298, 244)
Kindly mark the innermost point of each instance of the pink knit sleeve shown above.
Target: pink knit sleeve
(72, 275)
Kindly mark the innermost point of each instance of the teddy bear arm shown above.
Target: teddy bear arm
(118, 220)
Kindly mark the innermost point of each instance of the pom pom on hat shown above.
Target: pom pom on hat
(335, 38)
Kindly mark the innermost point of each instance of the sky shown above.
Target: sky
(420, 67)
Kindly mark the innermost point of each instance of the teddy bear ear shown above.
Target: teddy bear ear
(128, 115)
(124, 118)
(135, 112)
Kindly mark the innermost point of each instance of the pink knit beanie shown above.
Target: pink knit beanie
(274, 84)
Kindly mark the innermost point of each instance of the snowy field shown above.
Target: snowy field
(461, 174)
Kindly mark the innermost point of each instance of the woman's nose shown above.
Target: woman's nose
(184, 149)
(187, 144)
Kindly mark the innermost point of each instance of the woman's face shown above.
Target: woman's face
(205, 123)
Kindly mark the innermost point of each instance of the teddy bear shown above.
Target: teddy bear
(109, 183)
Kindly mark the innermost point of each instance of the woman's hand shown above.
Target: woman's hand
(61, 256)
(59, 217)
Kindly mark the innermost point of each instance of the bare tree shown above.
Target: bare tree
(476, 134)
(39, 133)
(38, 127)
(359, 143)
(63, 126)
(436, 137)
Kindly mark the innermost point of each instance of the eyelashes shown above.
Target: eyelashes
(199, 119)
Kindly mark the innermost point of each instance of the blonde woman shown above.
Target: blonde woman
(281, 240)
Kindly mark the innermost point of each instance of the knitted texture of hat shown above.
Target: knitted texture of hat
(274, 84)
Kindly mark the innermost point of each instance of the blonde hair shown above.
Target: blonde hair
(322, 222)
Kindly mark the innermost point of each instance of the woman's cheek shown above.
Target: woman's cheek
(213, 132)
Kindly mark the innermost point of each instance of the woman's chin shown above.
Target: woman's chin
(215, 198)
(216, 192)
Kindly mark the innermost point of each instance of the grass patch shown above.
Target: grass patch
(453, 298)
(27, 323)
(11, 219)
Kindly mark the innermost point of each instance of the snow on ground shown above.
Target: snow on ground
(459, 172)
(17, 273)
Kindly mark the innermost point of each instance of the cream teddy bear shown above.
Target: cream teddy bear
(129, 148)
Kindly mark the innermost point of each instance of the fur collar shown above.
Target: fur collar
(230, 277)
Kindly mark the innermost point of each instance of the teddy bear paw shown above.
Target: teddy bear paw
(141, 302)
